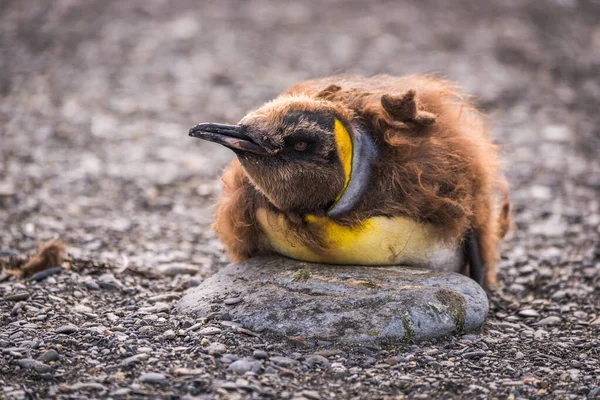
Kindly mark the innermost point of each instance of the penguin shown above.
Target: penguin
(365, 171)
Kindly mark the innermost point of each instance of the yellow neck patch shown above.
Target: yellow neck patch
(344, 147)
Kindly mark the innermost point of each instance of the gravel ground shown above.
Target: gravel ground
(96, 101)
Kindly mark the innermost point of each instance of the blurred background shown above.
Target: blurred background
(96, 98)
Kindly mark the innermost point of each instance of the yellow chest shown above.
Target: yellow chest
(377, 241)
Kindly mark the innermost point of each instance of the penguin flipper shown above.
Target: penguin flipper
(473, 257)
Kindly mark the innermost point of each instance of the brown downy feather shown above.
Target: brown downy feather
(51, 254)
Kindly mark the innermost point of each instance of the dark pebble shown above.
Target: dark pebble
(474, 354)
(91, 285)
(38, 276)
(17, 296)
(67, 329)
(49, 355)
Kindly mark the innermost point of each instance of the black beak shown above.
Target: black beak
(231, 136)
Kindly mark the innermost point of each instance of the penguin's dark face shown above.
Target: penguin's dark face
(298, 159)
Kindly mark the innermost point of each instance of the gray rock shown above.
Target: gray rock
(552, 320)
(153, 377)
(29, 363)
(109, 282)
(67, 329)
(17, 296)
(174, 269)
(208, 331)
(243, 366)
(528, 313)
(39, 276)
(260, 354)
(342, 303)
(82, 386)
(47, 356)
(283, 361)
(216, 348)
(232, 301)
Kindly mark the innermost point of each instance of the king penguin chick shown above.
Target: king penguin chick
(366, 171)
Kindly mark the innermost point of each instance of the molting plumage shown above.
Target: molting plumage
(380, 170)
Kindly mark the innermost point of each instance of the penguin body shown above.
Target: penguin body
(369, 171)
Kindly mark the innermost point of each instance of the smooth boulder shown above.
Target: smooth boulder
(339, 303)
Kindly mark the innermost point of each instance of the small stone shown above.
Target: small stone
(135, 359)
(595, 322)
(48, 356)
(67, 329)
(473, 354)
(41, 275)
(287, 373)
(243, 366)
(519, 355)
(109, 282)
(311, 394)
(557, 133)
(528, 313)
(552, 320)
(232, 301)
(153, 377)
(229, 358)
(19, 296)
(318, 359)
(80, 386)
(80, 308)
(174, 269)
(260, 354)
(188, 371)
(216, 348)
(170, 334)
(210, 330)
(40, 367)
(91, 285)
(283, 361)
(229, 386)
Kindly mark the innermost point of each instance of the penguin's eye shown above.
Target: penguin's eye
(301, 146)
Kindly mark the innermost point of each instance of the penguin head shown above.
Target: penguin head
(301, 153)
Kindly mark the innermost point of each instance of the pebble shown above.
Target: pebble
(135, 359)
(41, 275)
(92, 285)
(473, 354)
(210, 330)
(232, 301)
(17, 296)
(216, 348)
(552, 320)
(48, 356)
(80, 308)
(174, 269)
(67, 329)
(243, 366)
(153, 377)
(109, 282)
(88, 386)
(260, 354)
(283, 361)
(29, 363)
(317, 359)
(170, 334)
(311, 394)
(528, 313)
